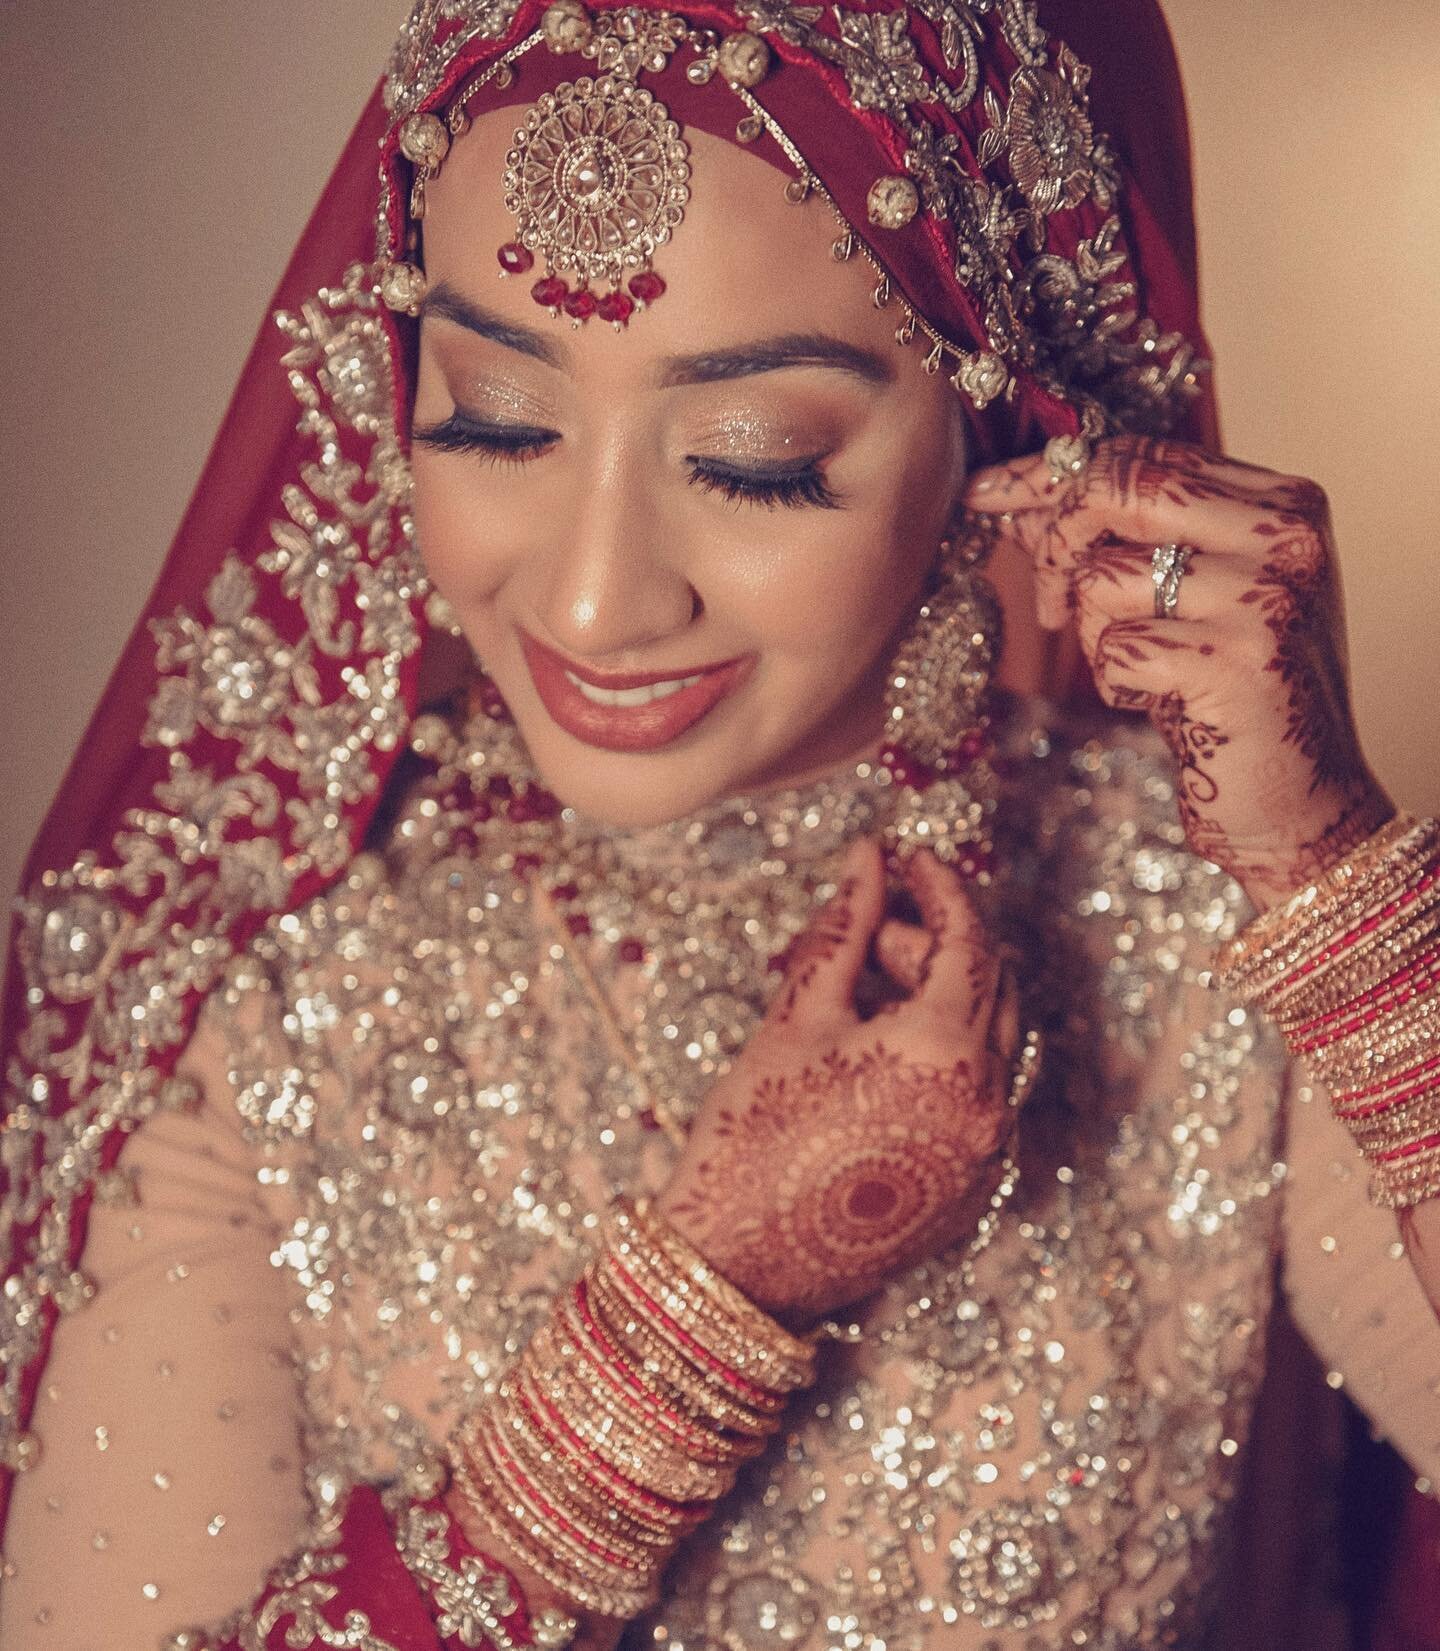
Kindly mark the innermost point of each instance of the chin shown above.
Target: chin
(616, 789)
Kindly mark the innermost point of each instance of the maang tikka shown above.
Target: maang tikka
(598, 175)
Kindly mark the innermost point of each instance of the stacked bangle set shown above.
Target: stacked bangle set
(629, 1413)
(1349, 970)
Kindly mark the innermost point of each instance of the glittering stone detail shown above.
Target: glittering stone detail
(251, 668)
(1009, 166)
(597, 179)
(995, 1439)
(743, 59)
(892, 202)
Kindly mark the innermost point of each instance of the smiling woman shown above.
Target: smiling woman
(591, 1059)
(671, 500)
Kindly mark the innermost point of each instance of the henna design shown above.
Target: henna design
(1358, 819)
(1293, 794)
(821, 1183)
(1295, 593)
(1193, 744)
(1126, 643)
(827, 932)
(979, 985)
(1137, 470)
(1110, 561)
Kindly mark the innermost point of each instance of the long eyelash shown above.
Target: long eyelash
(458, 434)
(791, 489)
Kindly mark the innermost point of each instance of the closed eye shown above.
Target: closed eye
(501, 443)
(793, 486)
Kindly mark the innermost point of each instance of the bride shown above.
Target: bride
(591, 1057)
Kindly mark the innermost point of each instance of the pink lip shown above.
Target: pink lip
(627, 727)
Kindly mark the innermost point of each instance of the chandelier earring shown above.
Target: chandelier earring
(935, 720)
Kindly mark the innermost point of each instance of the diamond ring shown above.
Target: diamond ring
(1167, 569)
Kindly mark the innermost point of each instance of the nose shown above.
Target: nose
(609, 589)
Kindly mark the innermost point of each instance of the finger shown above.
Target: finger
(826, 960)
(962, 973)
(903, 950)
(1014, 484)
(1149, 490)
(1138, 662)
(1021, 512)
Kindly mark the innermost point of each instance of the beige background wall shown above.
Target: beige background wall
(160, 159)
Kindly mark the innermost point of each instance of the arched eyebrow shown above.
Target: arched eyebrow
(766, 355)
(446, 304)
(769, 355)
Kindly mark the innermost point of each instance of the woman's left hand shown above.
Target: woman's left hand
(1246, 679)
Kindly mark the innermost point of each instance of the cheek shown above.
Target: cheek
(830, 609)
(464, 542)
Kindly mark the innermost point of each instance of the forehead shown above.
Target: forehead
(743, 260)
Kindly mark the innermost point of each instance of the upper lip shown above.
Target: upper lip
(625, 679)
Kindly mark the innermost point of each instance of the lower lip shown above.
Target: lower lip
(628, 727)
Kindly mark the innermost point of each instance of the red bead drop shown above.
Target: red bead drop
(578, 923)
(615, 308)
(550, 291)
(632, 951)
(580, 306)
(646, 286)
(514, 258)
(566, 891)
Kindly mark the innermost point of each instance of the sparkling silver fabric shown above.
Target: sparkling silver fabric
(440, 1122)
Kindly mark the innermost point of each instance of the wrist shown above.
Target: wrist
(1348, 968)
(1311, 848)
(626, 1417)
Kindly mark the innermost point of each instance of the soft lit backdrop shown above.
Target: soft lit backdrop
(161, 159)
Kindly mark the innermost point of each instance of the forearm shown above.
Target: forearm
(1349, 970)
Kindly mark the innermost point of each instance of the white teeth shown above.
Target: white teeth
(632, 696)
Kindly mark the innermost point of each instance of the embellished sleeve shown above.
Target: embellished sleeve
(385, 1574)
(164, 1472)
(1351, 1288)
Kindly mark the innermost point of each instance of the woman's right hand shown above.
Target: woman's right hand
(837, 1151)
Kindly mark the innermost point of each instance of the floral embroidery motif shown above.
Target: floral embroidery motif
(778, 17)
(425, 50)
(878, 57)
(112, 948)
(633, 41)
(470, 1600)
(1050, 137)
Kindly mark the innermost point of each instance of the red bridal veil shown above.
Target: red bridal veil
(245, 738)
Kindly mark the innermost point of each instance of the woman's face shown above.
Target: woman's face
(746, 487)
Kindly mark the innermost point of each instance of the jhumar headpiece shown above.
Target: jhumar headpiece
(969, 172)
